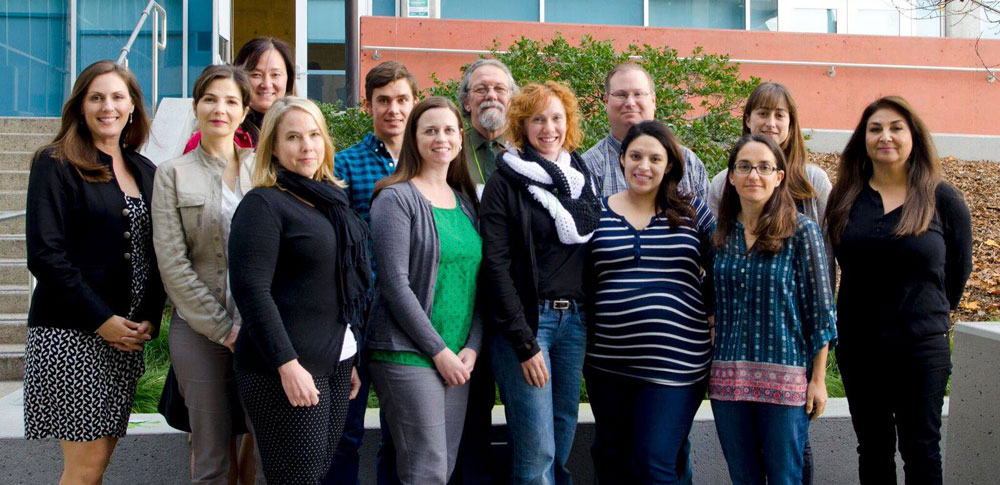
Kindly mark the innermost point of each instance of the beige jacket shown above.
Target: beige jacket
(187, 237)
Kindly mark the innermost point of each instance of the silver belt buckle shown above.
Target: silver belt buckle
(560, 304)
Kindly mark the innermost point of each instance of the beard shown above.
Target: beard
(492, 115)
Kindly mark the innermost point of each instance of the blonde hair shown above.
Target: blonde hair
(265, 172)
(533, 99)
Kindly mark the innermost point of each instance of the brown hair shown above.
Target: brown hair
(923, 173)
(776, 221)
(75, 144)
(770, 95)
(533, 99)
(627, 66)
(239, 76)
(385, 74)
(251, 52)
(669, 200)
(410, 162)
(265, 172)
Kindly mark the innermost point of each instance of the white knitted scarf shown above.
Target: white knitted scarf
(565, 225)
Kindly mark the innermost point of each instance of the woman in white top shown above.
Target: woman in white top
(194, 198)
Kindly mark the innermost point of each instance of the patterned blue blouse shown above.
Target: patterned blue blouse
(650, 299)
(772, 315)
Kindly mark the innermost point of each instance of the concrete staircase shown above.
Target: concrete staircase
(19, 138)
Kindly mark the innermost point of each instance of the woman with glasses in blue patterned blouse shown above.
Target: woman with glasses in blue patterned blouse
(774, 317)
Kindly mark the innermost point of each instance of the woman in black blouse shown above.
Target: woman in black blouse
(903, 239)
(300, 274)
(99, 296)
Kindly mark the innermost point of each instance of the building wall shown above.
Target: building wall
(948, 100)
(255, 18)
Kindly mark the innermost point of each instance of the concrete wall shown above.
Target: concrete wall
(951, 102)
(974, 443)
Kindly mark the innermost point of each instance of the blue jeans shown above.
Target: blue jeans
(541, 422)
(763, 443)
(641, 424)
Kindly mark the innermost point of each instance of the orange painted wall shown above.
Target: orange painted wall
(950, 102)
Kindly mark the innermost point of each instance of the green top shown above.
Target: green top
(481, 155)
(455, 289)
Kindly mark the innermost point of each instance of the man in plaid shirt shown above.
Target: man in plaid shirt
(630, 98)
(390, 93)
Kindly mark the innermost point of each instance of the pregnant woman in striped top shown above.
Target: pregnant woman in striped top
(650, 346)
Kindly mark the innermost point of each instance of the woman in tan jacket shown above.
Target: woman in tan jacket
(194, 198)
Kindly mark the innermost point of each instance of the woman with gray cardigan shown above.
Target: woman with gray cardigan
(425, 332)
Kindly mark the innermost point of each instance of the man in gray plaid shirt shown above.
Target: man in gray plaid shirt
(629, 98)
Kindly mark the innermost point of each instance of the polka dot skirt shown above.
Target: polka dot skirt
(296, 444)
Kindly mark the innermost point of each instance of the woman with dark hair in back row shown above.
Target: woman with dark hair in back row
(903, 239)
(99, 296)
(650, 343)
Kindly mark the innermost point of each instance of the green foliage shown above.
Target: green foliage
(699, 97)
(706, 84)
(347, 125)
(157, 358)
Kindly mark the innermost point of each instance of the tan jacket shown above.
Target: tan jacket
(187, 237)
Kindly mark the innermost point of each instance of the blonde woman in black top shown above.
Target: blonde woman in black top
(903, 239)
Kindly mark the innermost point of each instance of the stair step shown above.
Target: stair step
(11, 361)
(13, 200)
(12, 246)
(15, 160)
(14, 180)
(14, 272)
(13, 328)
(12, 225)
(7, 387)
(24, 142)
(13, 298)
(29, 125)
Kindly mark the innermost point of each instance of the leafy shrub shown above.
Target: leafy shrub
(705, 84)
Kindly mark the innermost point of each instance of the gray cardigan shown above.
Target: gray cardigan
(407, 251)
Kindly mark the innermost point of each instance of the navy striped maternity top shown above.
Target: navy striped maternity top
(650, 298)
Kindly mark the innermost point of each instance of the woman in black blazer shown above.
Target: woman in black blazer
(99, 297)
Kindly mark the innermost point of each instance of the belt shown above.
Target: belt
(559, 304)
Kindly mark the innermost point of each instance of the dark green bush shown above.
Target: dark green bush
(706, 84)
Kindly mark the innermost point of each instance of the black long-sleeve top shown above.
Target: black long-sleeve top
(282, 270)
(901, 287)
(515, 273)
(77, 238)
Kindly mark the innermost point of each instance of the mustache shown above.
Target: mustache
(492, 104)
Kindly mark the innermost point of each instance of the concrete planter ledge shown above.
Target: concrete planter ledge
(154, 453)
(974, 441)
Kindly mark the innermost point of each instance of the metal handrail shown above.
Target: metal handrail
(159, 42)
(830, 72)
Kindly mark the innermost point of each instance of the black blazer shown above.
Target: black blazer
(76, 239)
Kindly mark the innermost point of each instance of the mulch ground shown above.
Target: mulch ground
(980, 182)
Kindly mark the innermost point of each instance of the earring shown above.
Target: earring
(130, 117)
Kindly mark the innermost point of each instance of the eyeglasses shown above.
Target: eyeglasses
(744, 168)
(624, 95)
(484, 90)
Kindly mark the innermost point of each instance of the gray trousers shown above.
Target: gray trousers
(205, 376)
(425, 419)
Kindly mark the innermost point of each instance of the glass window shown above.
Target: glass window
(707, 14)
(104, 27)
(327, 50)
(927, 17)
(876, 22)
(199, 39)
(816, 20)
(764, 15)
(523, 10)
(621, 12)
(33, 57)
(385, 8)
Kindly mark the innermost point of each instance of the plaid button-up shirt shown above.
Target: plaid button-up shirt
(602, 161)
(361, 165)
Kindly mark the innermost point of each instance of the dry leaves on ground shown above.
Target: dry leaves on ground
(980, 182)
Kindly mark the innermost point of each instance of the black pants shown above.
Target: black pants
(476, 464)
(296, 444)
(895, 391)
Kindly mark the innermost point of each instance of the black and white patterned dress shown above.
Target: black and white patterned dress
(77, 387)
